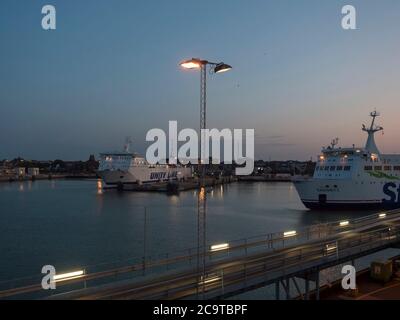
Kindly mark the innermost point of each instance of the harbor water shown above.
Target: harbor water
(71, 223)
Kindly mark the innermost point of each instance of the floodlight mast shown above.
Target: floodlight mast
(196, 63)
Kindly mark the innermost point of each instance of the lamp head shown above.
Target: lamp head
(222, 67)
(191, 64)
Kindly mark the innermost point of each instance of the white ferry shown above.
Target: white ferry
(124, 169)
(353, 178)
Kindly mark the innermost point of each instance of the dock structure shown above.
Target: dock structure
(177, 186)
(289, 260)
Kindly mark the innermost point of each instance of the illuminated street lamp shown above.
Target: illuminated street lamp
(289, 234)
(219, 247)
(222, 67)
(196, 63)
(191, 64)
(199, 64)
(344, 223)
(69, 276)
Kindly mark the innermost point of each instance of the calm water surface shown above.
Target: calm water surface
(73, 224)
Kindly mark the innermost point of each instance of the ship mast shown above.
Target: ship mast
(371, 145)
(334, 143)
(127, 145)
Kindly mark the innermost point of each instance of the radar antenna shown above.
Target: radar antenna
(334, 142)
(373, 128)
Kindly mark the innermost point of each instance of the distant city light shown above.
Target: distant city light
(382, 215)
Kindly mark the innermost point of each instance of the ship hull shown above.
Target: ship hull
(321, 194)
(342, 206)
(143, 175)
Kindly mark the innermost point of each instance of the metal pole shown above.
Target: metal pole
(205, 147)
(202, 197)
(287, 289)
(222, 281)
(277, 290)
(317, 285)
(307, 288)
(337, 250)
(144, 240)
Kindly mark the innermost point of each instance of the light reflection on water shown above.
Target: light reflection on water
(77, 223)
(99, 187)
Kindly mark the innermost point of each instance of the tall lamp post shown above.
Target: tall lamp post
(221, 67)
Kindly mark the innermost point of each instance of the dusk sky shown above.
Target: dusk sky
(110, 70)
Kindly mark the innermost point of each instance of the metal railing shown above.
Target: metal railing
(235, 276)
(268, 243)
(227, 276)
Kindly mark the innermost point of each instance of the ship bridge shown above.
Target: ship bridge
(369, 151)
(343, 152)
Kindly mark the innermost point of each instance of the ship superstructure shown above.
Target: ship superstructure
(124, 169)
(347, 178)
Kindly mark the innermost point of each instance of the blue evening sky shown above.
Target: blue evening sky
(110, 70)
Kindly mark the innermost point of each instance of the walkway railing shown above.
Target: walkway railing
(144, 267)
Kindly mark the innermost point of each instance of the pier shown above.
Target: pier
(281, 259)
(174, 186)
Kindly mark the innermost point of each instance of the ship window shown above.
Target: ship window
(339, 168)
(347, 168)
(378, 168)
(368, 168)
(396, 168)
(333, 168)
(327, 168)
(388, 168)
